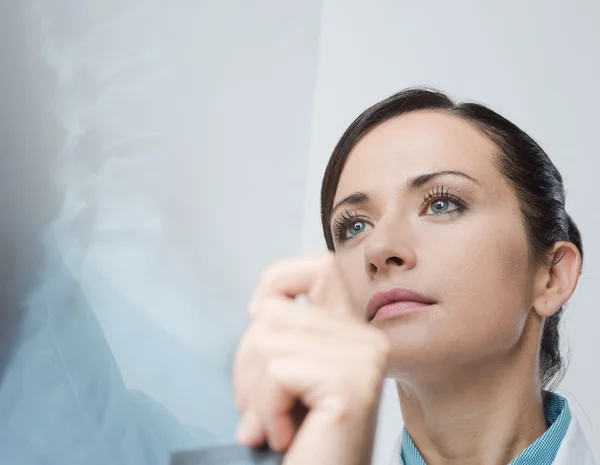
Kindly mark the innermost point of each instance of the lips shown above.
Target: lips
(404, 298)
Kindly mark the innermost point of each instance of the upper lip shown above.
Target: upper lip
(392, 296)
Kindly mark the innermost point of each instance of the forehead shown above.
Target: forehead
(414, 144)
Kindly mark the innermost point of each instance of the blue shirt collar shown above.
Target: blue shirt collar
(541, 452)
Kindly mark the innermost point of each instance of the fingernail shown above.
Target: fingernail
(249, 430)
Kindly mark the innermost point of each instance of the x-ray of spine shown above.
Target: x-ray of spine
(79, 345)
(143, 165)
(115, 79)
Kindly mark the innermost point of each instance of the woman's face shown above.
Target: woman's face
(428, 211)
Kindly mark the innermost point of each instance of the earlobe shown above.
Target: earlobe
(560, 279)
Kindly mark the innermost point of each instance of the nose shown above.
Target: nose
(390, 248)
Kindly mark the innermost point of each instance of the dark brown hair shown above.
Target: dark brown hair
(533, 177)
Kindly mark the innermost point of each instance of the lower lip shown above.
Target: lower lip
(397, 309)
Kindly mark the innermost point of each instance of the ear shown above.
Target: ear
(557, 281)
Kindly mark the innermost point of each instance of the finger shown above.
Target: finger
(275, 405)
(281, 327)
(278, 317)
(267, 405)
(248, 363)
(321, 348)
(329, 290)
(248, 370)
(288, 278)
(276, 314)
(240, 365)
(301, 378)
(250, 431)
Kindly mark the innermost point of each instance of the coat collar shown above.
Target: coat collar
(574, 448)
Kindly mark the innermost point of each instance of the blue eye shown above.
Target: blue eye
(440, 206)
(355, 228)
(349, 225)
(440, 201)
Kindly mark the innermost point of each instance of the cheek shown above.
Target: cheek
(483, 274)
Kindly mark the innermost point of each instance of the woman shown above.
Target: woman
(452, 258)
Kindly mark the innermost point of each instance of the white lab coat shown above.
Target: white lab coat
(574, 449)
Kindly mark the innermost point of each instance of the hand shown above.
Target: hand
(319, 354)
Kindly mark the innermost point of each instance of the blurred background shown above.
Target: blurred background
(156, 155)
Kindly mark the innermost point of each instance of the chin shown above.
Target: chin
(408, 363)
(419, 353)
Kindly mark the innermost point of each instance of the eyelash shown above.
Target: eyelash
(443, 193)
(341, 223)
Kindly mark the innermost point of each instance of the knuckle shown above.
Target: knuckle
(377, 351)
(272, 272)
(254, 345)
(261, 310)
(268, 317)
(345, 403)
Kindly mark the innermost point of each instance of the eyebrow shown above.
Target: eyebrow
(421, 180)
(360, 198)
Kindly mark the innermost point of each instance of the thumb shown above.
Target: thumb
(329, 290)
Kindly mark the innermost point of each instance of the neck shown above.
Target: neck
(479, 416)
